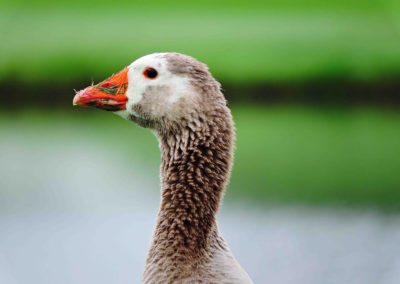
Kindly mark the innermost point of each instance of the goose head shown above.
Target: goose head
(158, 91)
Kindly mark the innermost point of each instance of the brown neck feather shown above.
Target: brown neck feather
(196, 163)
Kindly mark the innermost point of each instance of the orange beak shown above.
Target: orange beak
(108, 95)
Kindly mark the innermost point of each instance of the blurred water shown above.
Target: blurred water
(71, 212)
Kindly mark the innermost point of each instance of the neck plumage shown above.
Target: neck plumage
(196, 163)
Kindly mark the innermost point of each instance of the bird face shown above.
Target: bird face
(147, 90)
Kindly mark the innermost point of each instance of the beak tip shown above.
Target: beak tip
(76, 99)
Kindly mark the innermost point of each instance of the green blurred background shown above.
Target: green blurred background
(314, 86)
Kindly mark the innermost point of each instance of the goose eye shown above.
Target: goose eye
(150, 73)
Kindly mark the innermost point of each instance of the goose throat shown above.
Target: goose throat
(195, 166)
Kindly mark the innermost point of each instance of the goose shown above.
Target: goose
(176, 97)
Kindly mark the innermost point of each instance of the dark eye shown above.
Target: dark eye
(150, 73)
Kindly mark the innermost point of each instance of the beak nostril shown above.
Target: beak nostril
(107, 85)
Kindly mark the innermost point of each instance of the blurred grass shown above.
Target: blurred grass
(243, 42)
(308, 155)
(314, 155)
(284, 154)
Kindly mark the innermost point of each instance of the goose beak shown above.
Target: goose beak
(108, 95)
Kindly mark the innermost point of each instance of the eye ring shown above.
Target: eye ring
(150, 73)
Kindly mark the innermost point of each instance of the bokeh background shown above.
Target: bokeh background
(314, 87)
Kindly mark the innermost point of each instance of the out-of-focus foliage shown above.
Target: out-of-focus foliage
(331, 154)
(284, 154)
(242, 41)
